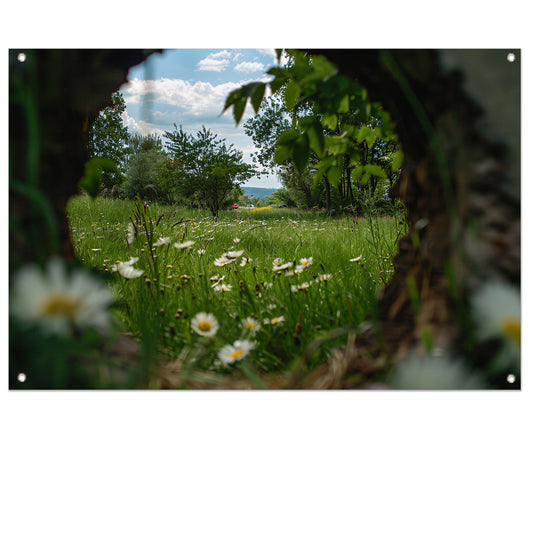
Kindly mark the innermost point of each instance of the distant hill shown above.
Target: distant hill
(258, 192)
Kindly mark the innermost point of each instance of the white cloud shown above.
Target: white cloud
(237, 56)
(249, 66)
(191, 100)
(142, 126)
(216, 62)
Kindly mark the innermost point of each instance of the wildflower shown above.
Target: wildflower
(284, 266)
(224, 260)
(205, 324)
(244, 261)
(236, 351)
(183, 245)
(251, 324)
(222, 287)
(57, 301)
(324, 277)
(131, 233)
(234, 254)
(277, 262)
(497, 312)
(128, 272)
(274, 321)
(303, 287)
(305, 262)
(236, 240)
(132, 261)
(162, 240)
(434, 373)
(201, 252)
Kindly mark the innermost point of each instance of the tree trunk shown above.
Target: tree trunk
(461, 188)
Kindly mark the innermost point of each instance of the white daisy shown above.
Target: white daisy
(128, 272)
(234, 254)
(224, 260)
(57, 301)
(236, 240)
(131, 233)
(183, 245)
(275, 321)
(496, 309)
(236, 351)
(222, 287)
(250, 324)
(284, 266)
(162, 240)
(205, 324)
(277, 262)
(132, 261)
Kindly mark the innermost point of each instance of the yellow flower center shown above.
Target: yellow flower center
(511, 328)
(249, 325)
(236, 353)
(204, 326)
(60, 303)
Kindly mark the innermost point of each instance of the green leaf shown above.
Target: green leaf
(300, 153)
(397, 160)
(334, 174)
(233, 96)
(363, 134)
(316, 138)
(364, 179)
(282, 153)
(330, 121)
(257, 96)
(356, 172)
(292, 91)
(288, 137)
(375, 170)
(344, 105)
(238, 109)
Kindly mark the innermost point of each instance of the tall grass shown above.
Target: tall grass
(331, 292)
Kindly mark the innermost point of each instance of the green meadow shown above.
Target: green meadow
(275, 279)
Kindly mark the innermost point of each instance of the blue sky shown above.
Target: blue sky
(188, 87)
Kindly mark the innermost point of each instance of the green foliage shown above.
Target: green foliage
(208, 173)
(333, 128)
(108, 139)
(93, 176)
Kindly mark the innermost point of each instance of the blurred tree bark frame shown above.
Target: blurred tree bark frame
(457, 114)
(54, 96)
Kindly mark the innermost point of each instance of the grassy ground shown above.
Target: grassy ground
(347, 260)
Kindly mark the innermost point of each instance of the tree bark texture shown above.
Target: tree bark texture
(54, 96)
(457, 115)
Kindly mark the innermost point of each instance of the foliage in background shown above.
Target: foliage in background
(319, 124)
(108, 139)
(208, 172)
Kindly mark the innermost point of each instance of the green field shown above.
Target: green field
(346, 261)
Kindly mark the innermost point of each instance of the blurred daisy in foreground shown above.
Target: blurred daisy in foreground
(496, 310)
(205, 324)
(431, 372)
(58, 301)
(496, 313)
(236, 351)
(222, 287)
